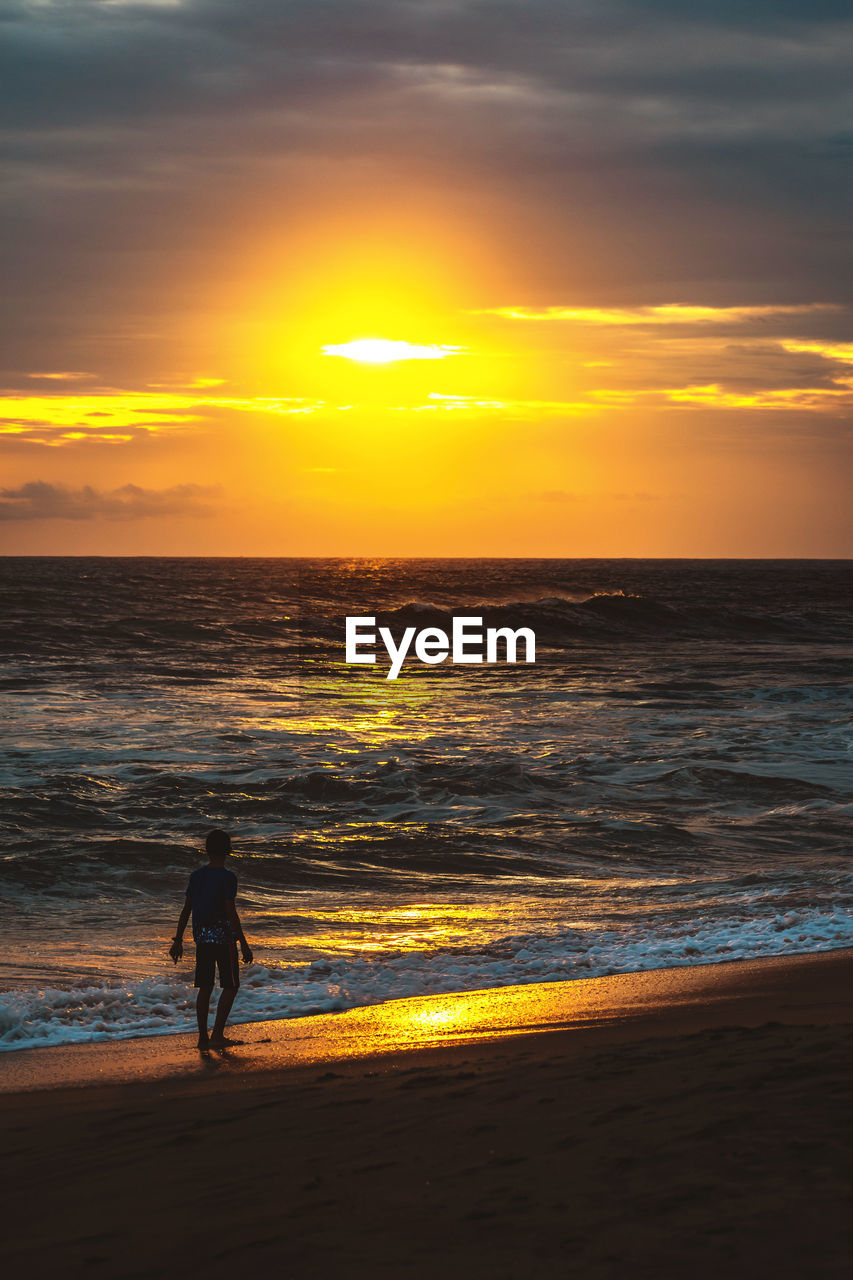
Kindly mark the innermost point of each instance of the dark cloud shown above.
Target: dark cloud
(777, 14)
(63, 66)
(661, 148)
(768, 366)
(41, 501)
(739, 367)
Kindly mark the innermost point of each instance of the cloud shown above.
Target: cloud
(543, 81)
(841, 351)
(659, 359)
(675, 313)
(628, 150)
(38, 500)
(714, 396)
(65, 375)
(110, 416)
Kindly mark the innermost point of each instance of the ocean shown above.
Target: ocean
(669, 784)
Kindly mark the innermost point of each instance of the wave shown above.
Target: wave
(737, 785)
(115, 1010)
(488, 791)
(617, 616)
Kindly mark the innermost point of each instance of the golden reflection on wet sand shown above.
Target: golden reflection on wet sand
(628, 1005)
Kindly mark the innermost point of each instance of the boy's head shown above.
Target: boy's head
(218, 845)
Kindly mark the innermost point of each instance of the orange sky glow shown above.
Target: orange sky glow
(431, 337)
(593, 431)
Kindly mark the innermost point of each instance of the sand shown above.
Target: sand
(686, 1124)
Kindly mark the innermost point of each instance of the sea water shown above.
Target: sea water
(669, 783)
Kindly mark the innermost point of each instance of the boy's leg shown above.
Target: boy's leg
(205, 976)
(229, 980)
(202, 1005)
(223, 1008)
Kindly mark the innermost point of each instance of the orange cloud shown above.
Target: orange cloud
(670, 314)
(65, 375)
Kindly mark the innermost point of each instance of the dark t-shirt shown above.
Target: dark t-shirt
(208, 890)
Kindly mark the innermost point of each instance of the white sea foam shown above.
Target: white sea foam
(112, 1010)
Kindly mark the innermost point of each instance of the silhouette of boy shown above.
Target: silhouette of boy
(216, 929)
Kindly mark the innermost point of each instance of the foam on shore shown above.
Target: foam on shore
(796, 989)
(103, 1010)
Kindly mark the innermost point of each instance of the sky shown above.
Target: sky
(377, 277)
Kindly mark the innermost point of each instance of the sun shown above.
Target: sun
(384, 351)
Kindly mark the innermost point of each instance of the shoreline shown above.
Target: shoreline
(610, 1009)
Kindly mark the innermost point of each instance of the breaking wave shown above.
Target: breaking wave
(620, 617)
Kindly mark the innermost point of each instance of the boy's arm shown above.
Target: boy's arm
(177, 948)
(234, 921)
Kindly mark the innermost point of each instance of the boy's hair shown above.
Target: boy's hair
(217, 844)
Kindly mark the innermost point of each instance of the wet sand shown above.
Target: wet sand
(685, 1123)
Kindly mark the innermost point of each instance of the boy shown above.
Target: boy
(216, 930)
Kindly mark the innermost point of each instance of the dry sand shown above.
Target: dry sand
(680, 1125)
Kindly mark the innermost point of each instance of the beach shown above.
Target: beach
(674, 1123)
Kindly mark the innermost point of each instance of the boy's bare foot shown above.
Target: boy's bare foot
(222, 1042)
(203, 1042)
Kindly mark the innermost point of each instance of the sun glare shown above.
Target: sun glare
(384, 351)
